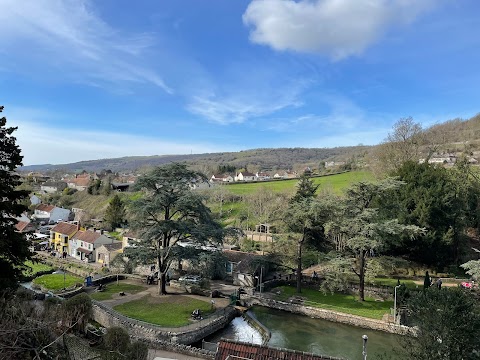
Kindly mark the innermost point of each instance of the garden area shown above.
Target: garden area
(56, 282)
(344, 303)
(35, 268)
(168, 311)
(114, 288)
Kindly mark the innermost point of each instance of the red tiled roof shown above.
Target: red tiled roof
(21, 225)
(260, 352)
(87, 236)
(245, 173)
(81, 181)
(45, 207)
(65, 228)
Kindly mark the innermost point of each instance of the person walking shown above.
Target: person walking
(439, 283)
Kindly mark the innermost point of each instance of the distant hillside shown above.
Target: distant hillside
(258, 159)
(457, 135)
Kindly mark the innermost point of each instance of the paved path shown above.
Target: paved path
(154, 354)
(153, 291)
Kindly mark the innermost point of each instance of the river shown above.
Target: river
(313, 335)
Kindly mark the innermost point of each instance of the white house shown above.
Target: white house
(245, 176)
(44, 212)
(83, 244)
(53, 186)
(221, 178)
(262, 176)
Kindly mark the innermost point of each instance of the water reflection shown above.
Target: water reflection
(324, 337)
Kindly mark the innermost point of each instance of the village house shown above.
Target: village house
(129, 239)
(53, 186)
(262, 176)
(242, 267)
(107, 252)
(47, 213)
(83, 244)
(285, 175)
(79, 182)
(60, 235)
(245, 176)
(331, 164)
(24, 227)
(221, 178)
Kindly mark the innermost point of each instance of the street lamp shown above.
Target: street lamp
(364, 352)
(395, 305)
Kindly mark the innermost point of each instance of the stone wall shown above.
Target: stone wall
(189, 334)
(331, 316)
(177, 348)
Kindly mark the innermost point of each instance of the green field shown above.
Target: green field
(56, 281)
(113, 288)
(336, 183)
(35, 268)
(170, 311)
(348, 304)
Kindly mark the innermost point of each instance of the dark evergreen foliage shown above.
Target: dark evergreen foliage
(448, 323)
(168, 215)
(441, 201)
(115, 213)
(13, 245)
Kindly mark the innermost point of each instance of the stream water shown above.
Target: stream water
(313, 335)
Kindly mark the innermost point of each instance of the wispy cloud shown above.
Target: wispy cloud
(339, 113)
(69, 36)
(247, 102)
(337, 28)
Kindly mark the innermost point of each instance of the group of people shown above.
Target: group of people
(428, 282)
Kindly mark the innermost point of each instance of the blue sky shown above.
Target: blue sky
(97, 79)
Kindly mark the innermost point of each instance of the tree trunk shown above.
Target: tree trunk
(161, 277)
(362, 275)
(162, 282)
(299, 266)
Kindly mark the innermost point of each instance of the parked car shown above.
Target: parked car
(192, 279)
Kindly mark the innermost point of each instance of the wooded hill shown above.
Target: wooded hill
(254, 160)
(455, 135)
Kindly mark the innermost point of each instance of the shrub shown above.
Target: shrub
(137, 351)
(77, 311)
(117, 341)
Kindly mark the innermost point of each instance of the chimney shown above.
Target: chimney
(78, 225)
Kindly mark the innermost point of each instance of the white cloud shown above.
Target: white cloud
(69, 36)
(239, 103)
(338, 28)
(41, 144)
(340, 114)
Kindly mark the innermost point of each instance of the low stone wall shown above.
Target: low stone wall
(177, 348)
(187, 335)
(71, 293)
(331, 316)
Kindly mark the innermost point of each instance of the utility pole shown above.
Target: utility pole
(364, 352)
(395, 306)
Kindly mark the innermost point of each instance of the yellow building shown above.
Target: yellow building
(60, 234)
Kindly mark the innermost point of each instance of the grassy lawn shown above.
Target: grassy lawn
(337, 183)
(338, 302)
(113, 288)
(169, 311)
(36, 267)
(55, 281)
